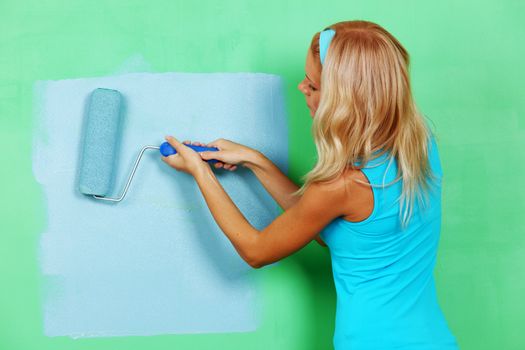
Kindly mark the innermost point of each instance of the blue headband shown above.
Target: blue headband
(324, 41)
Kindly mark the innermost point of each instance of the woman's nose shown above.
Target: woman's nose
(302, 87)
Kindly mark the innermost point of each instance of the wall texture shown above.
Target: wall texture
(467, 76)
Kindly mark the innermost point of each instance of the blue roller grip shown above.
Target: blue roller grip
(167, 150)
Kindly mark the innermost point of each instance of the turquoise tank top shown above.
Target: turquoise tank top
(386, 296)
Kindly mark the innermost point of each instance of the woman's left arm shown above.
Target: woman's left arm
(290, 231)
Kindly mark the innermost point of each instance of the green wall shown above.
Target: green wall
(468, 76)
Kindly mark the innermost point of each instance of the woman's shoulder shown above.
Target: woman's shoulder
(350, 192)
(360, 197)
(341, 182)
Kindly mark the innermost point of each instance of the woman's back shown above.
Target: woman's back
(386, 296)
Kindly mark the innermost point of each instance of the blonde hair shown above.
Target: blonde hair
(366, 109)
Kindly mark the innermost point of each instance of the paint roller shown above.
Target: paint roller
(100, 146)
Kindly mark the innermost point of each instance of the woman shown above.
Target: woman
(373, 197)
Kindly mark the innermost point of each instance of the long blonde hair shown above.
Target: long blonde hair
(366, 108)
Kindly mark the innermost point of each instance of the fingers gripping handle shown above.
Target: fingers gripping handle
(167, 150)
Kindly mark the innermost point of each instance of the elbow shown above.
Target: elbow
(255, 265)
(255, 261)
(255, 253)
(254, 256)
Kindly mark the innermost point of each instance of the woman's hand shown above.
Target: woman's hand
(229, 154)
(186, 159)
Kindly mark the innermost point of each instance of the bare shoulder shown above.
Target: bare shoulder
(323, 197)
(359, 197)
(347, 196)
(341, 184)
(332, 195)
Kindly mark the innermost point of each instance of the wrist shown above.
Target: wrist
(254, 159)
(203, 172)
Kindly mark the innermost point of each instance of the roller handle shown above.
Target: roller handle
(167, 150)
